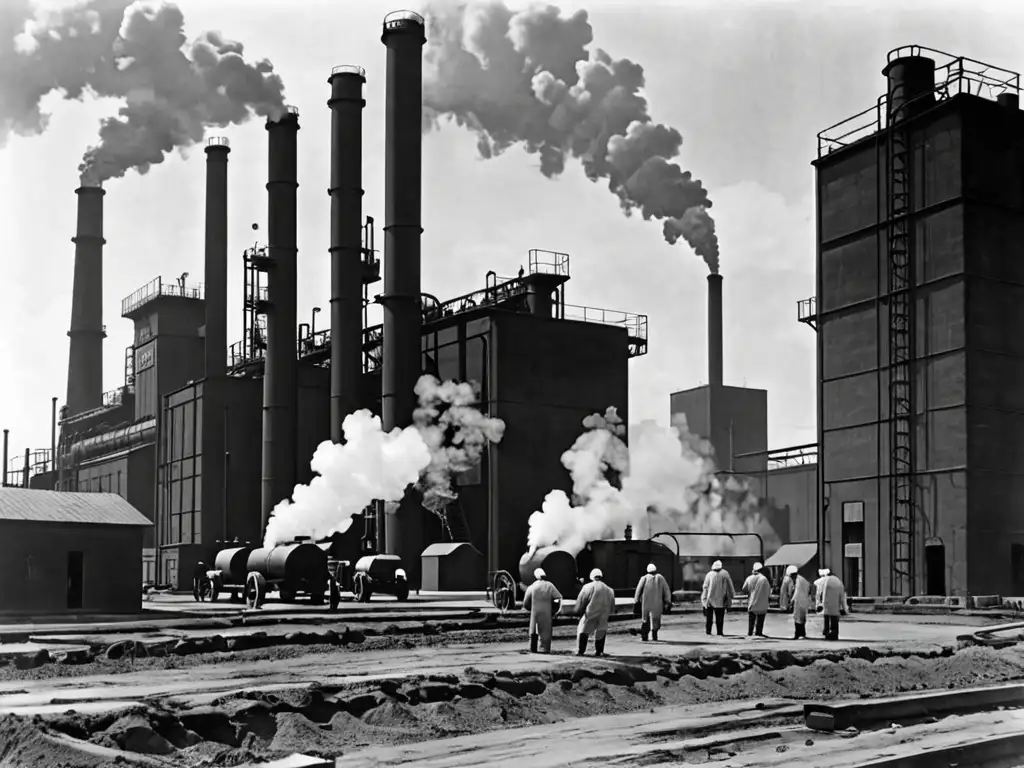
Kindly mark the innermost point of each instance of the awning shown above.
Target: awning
(793, 554)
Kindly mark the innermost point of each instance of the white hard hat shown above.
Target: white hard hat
(596, 574)
(652, 568)
(539, 574)
(757, 567)
(792, 570)
(716, 566)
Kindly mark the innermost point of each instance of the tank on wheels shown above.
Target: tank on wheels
(381, 574)
(291, 570)
(230, 571)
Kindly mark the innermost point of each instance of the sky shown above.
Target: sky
(748, 85)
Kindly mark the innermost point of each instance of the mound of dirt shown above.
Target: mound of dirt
(27, 744)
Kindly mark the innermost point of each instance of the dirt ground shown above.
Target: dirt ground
(368, 700)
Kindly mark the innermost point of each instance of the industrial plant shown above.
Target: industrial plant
(904, 493)
(206, 437)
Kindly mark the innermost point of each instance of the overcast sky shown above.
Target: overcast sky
(749, 85)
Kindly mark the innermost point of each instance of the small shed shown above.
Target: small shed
(455, 566)
(69, 553)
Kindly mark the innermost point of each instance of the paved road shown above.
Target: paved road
(681, 636)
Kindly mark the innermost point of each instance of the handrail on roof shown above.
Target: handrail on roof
(349, 69)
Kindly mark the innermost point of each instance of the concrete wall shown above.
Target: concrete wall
(34, 567)
(793, 493)
(168, 350)
(546, 376)
(734, 419)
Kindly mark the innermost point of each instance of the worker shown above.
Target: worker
(832, 604)
(543, 601)
(654, 597)
(716, 597)
(758, 588)
(594, 605)
(199, 582)
(817, 587)
(795, 596)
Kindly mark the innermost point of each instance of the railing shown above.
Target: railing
(807, 309)
(548, 262)
(307, 346)
(115, 397)
(635, 325)
(797, 456)
(159, 287)
(39, 461)
(398, 19)
(218, 141)
(956, 76)
(348, 69)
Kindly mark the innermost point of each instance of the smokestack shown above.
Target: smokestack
(53, 433)
(280, 373)
(404, 35)
(715, 330)
(346, 193)
(85, 359)
(6, 436)
(216, 266)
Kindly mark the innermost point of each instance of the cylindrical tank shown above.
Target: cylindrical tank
(559, 566)
(290, 562)
(911, 81)
(624, 561)
(233, 563)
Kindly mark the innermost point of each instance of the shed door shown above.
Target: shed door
(75, 573)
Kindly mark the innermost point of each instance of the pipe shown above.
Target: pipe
(715, 330)
(6, 436)
(216, 263)
(280, 377)
(85, 358)
(911, 86)
(120, 439)
(346, 193)
(24, 470)
(53, 433)
(404, 35)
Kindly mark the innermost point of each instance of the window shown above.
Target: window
(853, 512)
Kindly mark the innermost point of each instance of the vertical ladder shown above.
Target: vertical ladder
(901, 357)
(454, 522)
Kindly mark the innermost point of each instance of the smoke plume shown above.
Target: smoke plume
(134, 52)
(527, 78)
(668, 483)
(448, 438)
(456, 434)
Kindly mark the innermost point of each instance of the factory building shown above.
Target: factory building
(205, 439)
(920, 206)
(69, 552)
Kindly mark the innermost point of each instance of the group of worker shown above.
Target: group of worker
(653, 598)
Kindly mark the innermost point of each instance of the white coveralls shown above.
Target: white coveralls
(653, 594)
(540, 600)
(796, 596)
(715, 598)
(832, 601)
(758, 588)
(594, 605)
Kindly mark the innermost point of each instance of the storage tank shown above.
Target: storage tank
(291, 563)
(624, 561)
(559, 566)
(233, 564)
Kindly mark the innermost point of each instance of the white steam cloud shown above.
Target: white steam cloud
(449, 437)
(527, 78)
(134, 52)
(663, 481)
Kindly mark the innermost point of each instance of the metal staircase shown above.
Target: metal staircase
(901, 354)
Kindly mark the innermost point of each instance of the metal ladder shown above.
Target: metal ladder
(901, 357)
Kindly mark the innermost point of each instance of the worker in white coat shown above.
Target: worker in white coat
(832, 604)
(594, 606)
(819, 584)
(655, 597)
(543, 601)
(758, 588)
(716, 597)
(795, 596)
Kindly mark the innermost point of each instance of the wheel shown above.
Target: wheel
(402, 591)
(504, 591)
(362, 588)
(255, 590)
(211, 589)
(335, 594)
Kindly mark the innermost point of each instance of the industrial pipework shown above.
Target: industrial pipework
(404, 35)
(216, 264)
(280, 375)
(715, 330)
(85, 359)
(346, 193)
